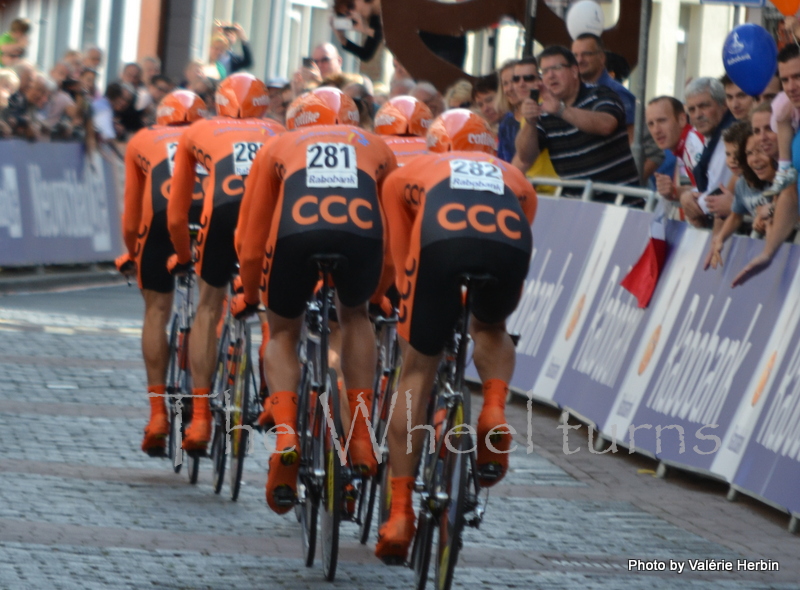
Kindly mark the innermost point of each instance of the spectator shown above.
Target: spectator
(366, 18)
(277, 110)
(362, 96)
(60, 72)
(192, 74)
(738, 103)
(60, 112)
(80, 91)
(23, 116)
(667, 123)
(157, 89)
(88, 80)
(17, 103)
(590, 52)
(151, 66)
(401, 87)
(705, 103)
(758, 171)
(459, 95)
(771, 91)
(762, 129)
(132, 75)
(508, 104)
(93, 58)
(583, 126)
(785, 207)
(427, 93)
(214, 69)
(106, 119)
(231, 62)
(484, 96)
(327, 59)
(15, 41)
(74, 59)
(9, 84)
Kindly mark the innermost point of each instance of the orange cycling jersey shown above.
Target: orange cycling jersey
(225, 148)
(406, 148)
(457, 194)
(149, 159)
(321, 177)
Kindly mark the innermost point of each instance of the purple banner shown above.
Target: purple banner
(57, 206)
(709, 355)
(614, 323)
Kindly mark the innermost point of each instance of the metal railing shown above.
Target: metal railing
(589, 188)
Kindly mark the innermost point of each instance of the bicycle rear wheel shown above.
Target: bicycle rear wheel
(173, 389)
(219, 454)
(240, 427)
(423, 545)
(332, 487)
(307, 509)
(451, 521)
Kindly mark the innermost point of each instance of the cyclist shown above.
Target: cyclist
(148, 173)
(315, 191)
(224, 147)
(403, 122)
(470, 213)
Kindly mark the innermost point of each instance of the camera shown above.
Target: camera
(308, 63)
(534, 95)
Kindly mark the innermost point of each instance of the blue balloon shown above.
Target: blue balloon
(750, 58)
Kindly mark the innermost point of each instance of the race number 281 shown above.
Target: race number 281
(331, 165)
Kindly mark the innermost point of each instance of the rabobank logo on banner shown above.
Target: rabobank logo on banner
(70, 206)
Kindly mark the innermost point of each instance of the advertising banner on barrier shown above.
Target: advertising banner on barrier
(562, 242)
(56, 205)
(603, 348)
(710, 353)
(580, 300)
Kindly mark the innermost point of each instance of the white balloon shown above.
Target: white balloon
(585, 16)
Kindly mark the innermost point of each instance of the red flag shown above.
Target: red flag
(642, 279)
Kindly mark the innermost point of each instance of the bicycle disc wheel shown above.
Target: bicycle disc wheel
(307, 510)
(240, 429)
(219, 456)
(451, 521)
(175, 434)
(332, 486)
(173, 387)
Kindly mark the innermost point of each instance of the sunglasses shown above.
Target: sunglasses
(323, 60)
(527, 78)
(555, 68)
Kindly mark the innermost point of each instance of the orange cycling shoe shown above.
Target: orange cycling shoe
(265, 419)
(397, 533)
(155, 433)
(198, 435)
(492, 464)
(285, 461)
(362, 453)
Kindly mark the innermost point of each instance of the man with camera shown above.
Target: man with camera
(583, 126)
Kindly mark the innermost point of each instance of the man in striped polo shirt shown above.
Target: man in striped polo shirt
(583, 125)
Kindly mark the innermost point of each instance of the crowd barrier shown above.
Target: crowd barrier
(57, 205)
(707, 378)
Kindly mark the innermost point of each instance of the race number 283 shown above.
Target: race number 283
(331, 165)
(473, 175)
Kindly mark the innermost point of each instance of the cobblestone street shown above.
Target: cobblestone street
(82, 507)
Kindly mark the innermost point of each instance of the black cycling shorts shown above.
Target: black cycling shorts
(217, 258)
(151, 262)
(430, 302)
(292, 276)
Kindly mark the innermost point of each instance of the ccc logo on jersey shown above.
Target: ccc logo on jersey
(482, 218)
(333, 209)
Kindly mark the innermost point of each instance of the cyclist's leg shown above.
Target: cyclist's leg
(155, 351)
(202, 357)
(494, 357)
(359, 358)
(416, 378)
(265, 418)
(283, 379)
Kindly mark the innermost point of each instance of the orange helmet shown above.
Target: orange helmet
(179, 107)
(323, 106)
(461, 130)
(242, 96)
(403, 115)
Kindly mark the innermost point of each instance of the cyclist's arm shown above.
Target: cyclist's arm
(132, 213)
(262, 192)
(180, 201)
(387, 275)
(400, 216)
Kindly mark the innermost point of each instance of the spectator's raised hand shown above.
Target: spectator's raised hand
(665, 186)
(755, 266)
(761, 219)
(714, 257)
(530, 110)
